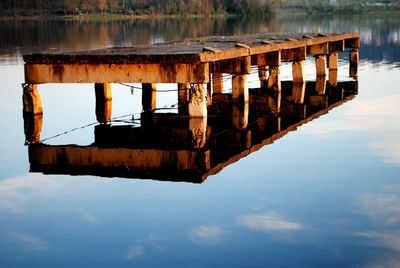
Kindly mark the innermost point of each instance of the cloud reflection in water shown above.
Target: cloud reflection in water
(377, 116)
(28, 241)
(134, 252)
(207, 235)
(268, 222)
(383, 210)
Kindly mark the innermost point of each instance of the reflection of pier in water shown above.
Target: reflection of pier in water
(212, 128)
(179, 148)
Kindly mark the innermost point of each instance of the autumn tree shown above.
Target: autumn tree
(113, 4)
(101, 5)
(71, 6)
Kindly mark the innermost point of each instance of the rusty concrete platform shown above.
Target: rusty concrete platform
(204, 50)
(189, 61)
(191, 64)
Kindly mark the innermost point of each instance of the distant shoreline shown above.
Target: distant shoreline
(343, 10)
(339, 10)
(110, 16)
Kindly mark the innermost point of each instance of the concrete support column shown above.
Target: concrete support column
(31, 101)
(209, 89)
(32, 113)
(183, 98)
(354, 58)
(298, 71)
(240, 117)
(298, 92)
(263, 75)
(32, 127)
(320, 63)
(103, 102)
(197, 101)
(198, 128)
(218, 82)
(275, 101)
(240, 88)
(149, 93)
(333, 60)
(274, 80)
(333, 65)
(320, 85)
(209, 93)
(333, 77)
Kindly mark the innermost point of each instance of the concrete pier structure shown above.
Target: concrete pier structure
(213, 127)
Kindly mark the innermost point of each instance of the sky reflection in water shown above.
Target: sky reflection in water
(325, 195)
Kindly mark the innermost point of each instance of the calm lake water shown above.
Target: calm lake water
(324, 195)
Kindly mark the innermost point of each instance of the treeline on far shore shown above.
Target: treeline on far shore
(22, 8)
(155, 8)
(341, 6)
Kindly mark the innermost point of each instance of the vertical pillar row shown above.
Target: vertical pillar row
(103, 102)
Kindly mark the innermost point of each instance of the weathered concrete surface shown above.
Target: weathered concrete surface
(197, 101)
(190, 61)
(31, 101)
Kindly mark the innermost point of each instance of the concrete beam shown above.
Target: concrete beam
(232, 66)
(116, 73)
(92, 158)
(272, 58)
(336, 46)
(352, 42)
(318, 49)
(294, 54)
